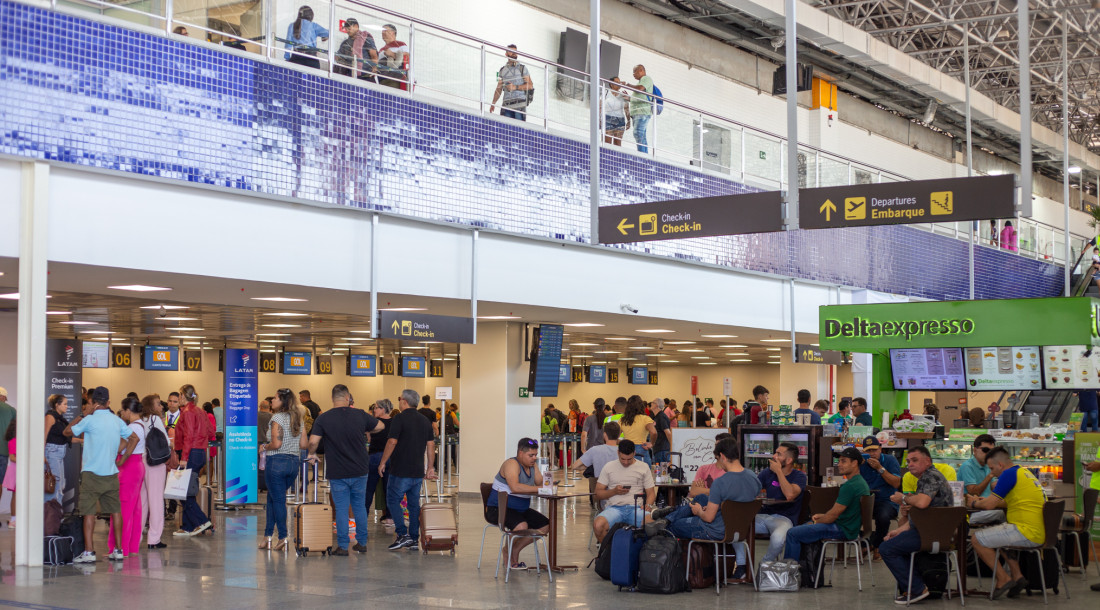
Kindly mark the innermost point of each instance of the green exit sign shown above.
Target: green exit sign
(524, 393)
(763, 155)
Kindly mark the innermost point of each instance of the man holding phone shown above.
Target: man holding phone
(978, 478)
(618, 484)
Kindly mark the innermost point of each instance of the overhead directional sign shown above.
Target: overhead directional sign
(891, 203)
(424, 327)
(683, 218)
(815, 355)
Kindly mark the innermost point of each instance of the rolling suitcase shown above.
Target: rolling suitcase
(626, 547)
(438, 530)
(205, 498)
(312, 523)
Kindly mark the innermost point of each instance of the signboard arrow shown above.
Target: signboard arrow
(828, 208)
(623, 226)
(425, 327)
(684, 218)
(396, 326)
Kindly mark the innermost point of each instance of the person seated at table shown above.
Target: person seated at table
(518, 475)
(931, 490)
(845, 517)
(599, 456)
(882, 473)
(702, 519)
(978, 477)
(618, 484)
(708, 473)
(1020, 493)
(784, 484)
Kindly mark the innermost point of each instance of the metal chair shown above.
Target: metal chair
(1088, 503)
(867, 506)
(1052, 520)
(937, 528)
(739, 519)
(511, 535)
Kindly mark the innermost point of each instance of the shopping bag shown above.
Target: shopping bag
(177, 484)
(781, 576)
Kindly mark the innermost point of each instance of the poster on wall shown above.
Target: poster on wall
(241, 400)
(63, 376)
(697, 447)
(96, 355)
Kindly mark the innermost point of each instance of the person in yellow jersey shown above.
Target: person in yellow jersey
(1019, 492)
(1094, 483)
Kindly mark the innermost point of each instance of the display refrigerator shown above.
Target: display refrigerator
(758, 444)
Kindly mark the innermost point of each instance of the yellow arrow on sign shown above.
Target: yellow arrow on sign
(623, 226)
(828, 208)
(396, 326)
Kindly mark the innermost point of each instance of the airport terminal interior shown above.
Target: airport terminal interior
(801, 261)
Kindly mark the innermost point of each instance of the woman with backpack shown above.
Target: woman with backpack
(57, 444)
(131, 474)
(159, 458)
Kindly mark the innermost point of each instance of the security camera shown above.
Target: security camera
(163, 312)
(627, 307)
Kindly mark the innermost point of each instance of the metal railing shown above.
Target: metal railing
(460, 70)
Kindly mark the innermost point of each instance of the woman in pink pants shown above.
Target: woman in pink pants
(152, 489)
(131, 474)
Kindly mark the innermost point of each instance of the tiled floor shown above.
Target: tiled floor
(226, 571)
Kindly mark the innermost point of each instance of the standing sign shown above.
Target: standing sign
(894, 203)
(696, 446)
(727, 386)
(241, 399)
(694, 385)
(682, 218)
(443, 393)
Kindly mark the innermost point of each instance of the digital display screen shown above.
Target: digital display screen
(597, 373)
(546, 367)
(361, 365)
(563, 373)
(413, 366)
(162, 358)
(1066, 367)
(297, 363)
(639, 375)
(931, 369)
(1003, 368)
(96, 355)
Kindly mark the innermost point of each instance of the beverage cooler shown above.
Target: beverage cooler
(758, 444)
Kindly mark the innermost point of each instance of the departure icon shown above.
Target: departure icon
(943, 203)
(647, 224)
(855, 208)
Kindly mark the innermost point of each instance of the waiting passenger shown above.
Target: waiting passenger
(302, 38)
(821, 407)
(619, 483)
(519, 476)
(844, 519)
(514, 81)
(641, 106)
(179, 29)
(785, 484)
(615, 118)
(412, 446)
(638, 427)
(978, 478)
(859, 411)
(599, 456)
(882, 473)
(357, 55)
(393, 61)
(804, 408)
(760, 412)
(843, 411)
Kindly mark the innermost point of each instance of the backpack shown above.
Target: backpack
(933, 571)
(808, 565)
(660, 99)
(157, 450)
(603, 556)
(661, 565)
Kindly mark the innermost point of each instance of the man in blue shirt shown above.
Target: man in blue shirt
(978, 477)
(883, 475)
(782, 482)
(1087, 404)
(859, 409)
(804, 408)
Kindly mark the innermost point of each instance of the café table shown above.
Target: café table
(552, 540)
(670, 490)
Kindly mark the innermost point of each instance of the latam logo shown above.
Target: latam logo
(244, 360)
(162, 356)
(69, 352)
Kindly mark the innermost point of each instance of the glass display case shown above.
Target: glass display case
(758, 444)
(1039, 455)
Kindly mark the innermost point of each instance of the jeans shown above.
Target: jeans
(643, 456)
(372, 485)
(623, 513)
(776, 526)
(279, 474)
(810, 532)
(55, 457)
(1091, 421)
(192, 514)
(884, 512)
(353, 490)
(519, 115)
(408, 488)
(661, 456)
(683, 524)
(640, 124)
(895, 554)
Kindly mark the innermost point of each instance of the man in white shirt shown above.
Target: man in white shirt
(618, 484)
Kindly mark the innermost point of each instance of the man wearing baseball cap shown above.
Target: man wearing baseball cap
(883, 475)
(7, 416)
(844, 519)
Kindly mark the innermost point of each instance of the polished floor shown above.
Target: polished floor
(226, 571)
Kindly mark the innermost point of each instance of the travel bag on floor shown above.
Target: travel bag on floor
(438, 530)
(933, 571)
(701, 564)
(603, 556)
(1030, 566)
(626, 546)
(779, 576)
(57, 550)
(1068, 547)
(312, 524)
(72, 527)
(809, 561)
(661, 565)
(205, 498)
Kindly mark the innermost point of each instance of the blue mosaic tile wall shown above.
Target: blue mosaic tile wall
(83, 92)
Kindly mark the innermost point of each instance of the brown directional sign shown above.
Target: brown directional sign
(893, 203)
(683, 218)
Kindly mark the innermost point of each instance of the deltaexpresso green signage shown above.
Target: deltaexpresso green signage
(878, 327)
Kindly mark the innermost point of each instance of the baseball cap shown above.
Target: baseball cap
(101, 395)
(871, 441)
(852, 454)
(351, 21)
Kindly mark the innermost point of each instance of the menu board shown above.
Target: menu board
(1003, 368)
(96, 355)
(928, 369)
(1066, 367)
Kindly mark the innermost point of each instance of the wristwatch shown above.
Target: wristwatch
(881, 469)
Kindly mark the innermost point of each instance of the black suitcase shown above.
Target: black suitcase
(73, 527)
(1068, 548)
(1030, 566)
(808, 563)
(57, 550)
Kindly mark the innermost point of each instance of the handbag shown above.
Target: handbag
(783, 576)
(50, 484)
(177, 485)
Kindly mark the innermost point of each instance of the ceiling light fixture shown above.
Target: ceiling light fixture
(273, 341)
(286, 314)
(690, 350)
(700, 357)
(679, 342)
(403, 309)
(58, 313)
(653, 330)
(774, 349)
(719, 336)
(164, 307)
(139, 288)
(80, 323)
(582, 324)
(741, 360)
(735, 346)
(609, 352)
(97, 332)
(775, 340)
(186, 336)
(15, 296)
(175, 319)
(272, 334)
(183, 329)
(280, 299)
(708, 364)
(668, 361)
(621, 339)
(737, 353)
(498, 317)
(282, 325)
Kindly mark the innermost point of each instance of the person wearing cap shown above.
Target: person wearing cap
(357, 50)
(99, 470)
(514, 81)
(883, 475)
(843, 520)
(7, 416)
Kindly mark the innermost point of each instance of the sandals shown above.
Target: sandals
(519, 566)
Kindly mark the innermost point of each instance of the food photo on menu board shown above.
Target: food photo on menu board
(1003, 368)
(1071, 367)
(927, 368)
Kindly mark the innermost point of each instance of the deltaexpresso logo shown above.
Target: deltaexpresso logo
(865, 329)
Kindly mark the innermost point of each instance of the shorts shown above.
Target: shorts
(625, 513)
(95, 489)
(512, 517)
(1005, 534)
(614, 123)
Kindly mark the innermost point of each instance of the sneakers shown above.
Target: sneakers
(403, 542)
(661, 513)
(901, 600)
(85, 557)
(653, 527)
(359, 548)
(339, 552)
(115, 555)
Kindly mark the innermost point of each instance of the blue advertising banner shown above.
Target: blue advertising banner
(241, 443)
(362, 365)
(162, 358)
(597, 374)
(297, 363)
(412, 366)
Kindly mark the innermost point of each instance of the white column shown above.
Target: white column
(494, 417)
(31, 363)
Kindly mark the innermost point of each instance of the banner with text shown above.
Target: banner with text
(241, 442)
